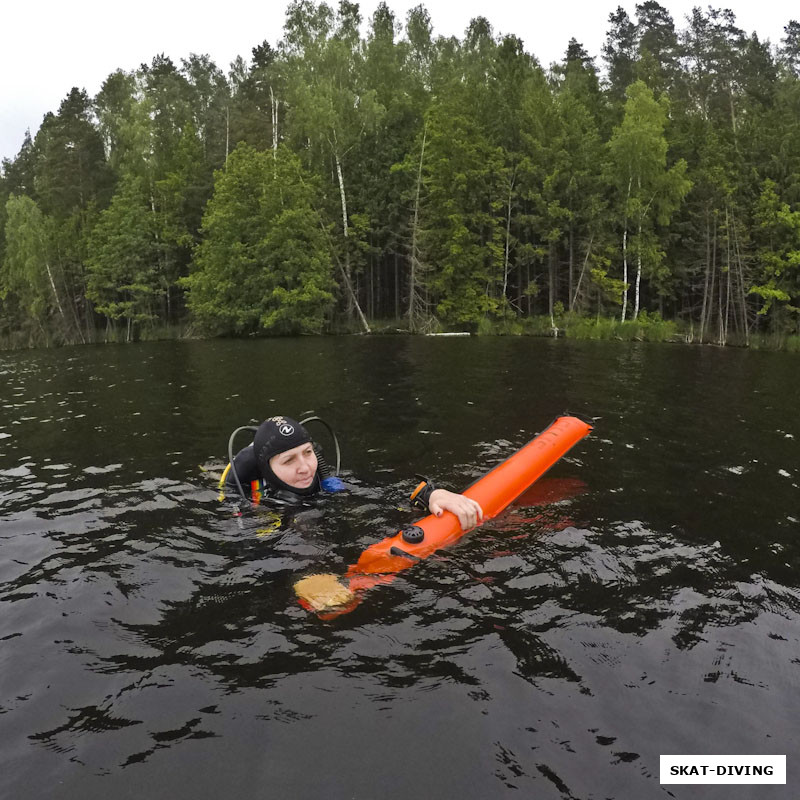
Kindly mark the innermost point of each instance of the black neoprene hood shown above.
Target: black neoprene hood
(274, 436)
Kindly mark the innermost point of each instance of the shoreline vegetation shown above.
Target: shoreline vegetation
(369, 175)
(645, 329)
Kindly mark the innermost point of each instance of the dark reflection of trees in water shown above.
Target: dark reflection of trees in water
(239, 624)
(633, 582)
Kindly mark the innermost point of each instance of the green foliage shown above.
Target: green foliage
(462, 233)
(70, 165)
(264, 261)
(647, 328)
(611, 289)
(648, 191)
(441, 180)
(777, 230)
(539, 325)
(122, 257)
(23, 275)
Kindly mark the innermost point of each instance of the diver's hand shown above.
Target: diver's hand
(469, 513)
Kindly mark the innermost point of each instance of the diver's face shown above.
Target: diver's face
(296, 467)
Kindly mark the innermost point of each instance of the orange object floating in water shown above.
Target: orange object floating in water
(495, 491)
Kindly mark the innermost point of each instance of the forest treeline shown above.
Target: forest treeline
(339, 178)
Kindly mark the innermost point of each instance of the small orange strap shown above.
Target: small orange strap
(420, 487)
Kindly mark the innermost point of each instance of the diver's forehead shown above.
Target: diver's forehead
(286, 454)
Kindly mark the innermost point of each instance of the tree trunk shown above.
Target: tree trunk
(380, 291)
(580, 277)
(625, 253)
(371, 287)
(508, 236)
(55, 293)
(551, 286)
(571, 281)
(351, 298)
(227, 133)
(708, 274)
(273, 103)
(624, 272)
(71, 296)
(728, 281)
(712, 287)
(528, 283)
(720, 312)
(638, 273)
(740, 273)
(413, 266)
(639, 253)
(396, 287)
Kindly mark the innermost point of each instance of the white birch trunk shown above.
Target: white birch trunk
(638, 273)
(625, 253)
(508, 235)
(708, 273)
(227, 133)
(352, 300)
(274, 109)
(345, 228)
(55, 293)
(580, 277)
(412, 278)
(625, 271)
(743, 297)
(52, 283)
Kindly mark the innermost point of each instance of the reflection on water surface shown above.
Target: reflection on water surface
(152, 645)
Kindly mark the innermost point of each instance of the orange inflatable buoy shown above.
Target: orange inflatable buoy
(495, 491)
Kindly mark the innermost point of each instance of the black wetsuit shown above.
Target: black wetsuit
(246, 468)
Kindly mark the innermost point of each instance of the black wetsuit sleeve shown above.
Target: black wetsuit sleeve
(421, 496)
(244, 462)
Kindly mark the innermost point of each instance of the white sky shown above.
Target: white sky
(49, 46)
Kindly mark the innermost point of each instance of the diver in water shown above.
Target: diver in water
(283, 465)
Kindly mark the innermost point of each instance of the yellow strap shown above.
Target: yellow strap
(274, 523)
(221, 486)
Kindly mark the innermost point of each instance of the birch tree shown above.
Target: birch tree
(648, 190)
(329, 110)
(27, 274)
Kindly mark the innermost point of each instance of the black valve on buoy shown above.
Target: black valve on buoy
(413, 534)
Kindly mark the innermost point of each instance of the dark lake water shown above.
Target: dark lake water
(152, 646)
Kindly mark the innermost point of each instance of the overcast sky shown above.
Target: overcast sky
(49, 47)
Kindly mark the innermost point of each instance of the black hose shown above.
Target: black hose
(253, 428)
(333, 436)
(230, 457)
